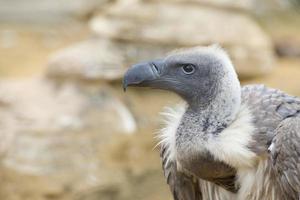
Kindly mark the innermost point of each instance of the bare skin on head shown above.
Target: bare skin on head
(218, 145)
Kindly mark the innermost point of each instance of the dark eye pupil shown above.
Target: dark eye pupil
(188, 69)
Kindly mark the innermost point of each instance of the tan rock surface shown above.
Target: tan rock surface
(46, 11)
(36, 107)
(164, 26)
(231, 4)
(94, 59)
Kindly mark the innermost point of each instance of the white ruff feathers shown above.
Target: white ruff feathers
(231, 148)
(172, 117)
(231, 144)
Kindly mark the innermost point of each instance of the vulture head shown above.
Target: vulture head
(202, 76)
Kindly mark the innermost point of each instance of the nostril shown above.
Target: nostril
(155, 67)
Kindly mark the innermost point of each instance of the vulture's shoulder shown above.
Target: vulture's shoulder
(268, 103)
(276, 116)
(285, 157)
(268, 107)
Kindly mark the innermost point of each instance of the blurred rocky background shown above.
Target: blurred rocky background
(67, 129)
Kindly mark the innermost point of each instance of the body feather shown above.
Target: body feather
(244, 146)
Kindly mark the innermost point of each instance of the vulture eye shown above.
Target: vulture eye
(188, 69)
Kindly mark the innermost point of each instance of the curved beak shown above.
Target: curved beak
(143, 74)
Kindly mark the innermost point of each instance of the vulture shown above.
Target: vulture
(226, 142)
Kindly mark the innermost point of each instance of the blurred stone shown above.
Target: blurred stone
(8, 39)
(142, 31)
(47, 11)
(233, 4)
(58, 134)
(94, 59)
(253, 6)
(262, 7)
(35, 112)
(288, 48)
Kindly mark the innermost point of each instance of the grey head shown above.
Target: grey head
(203, 76)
